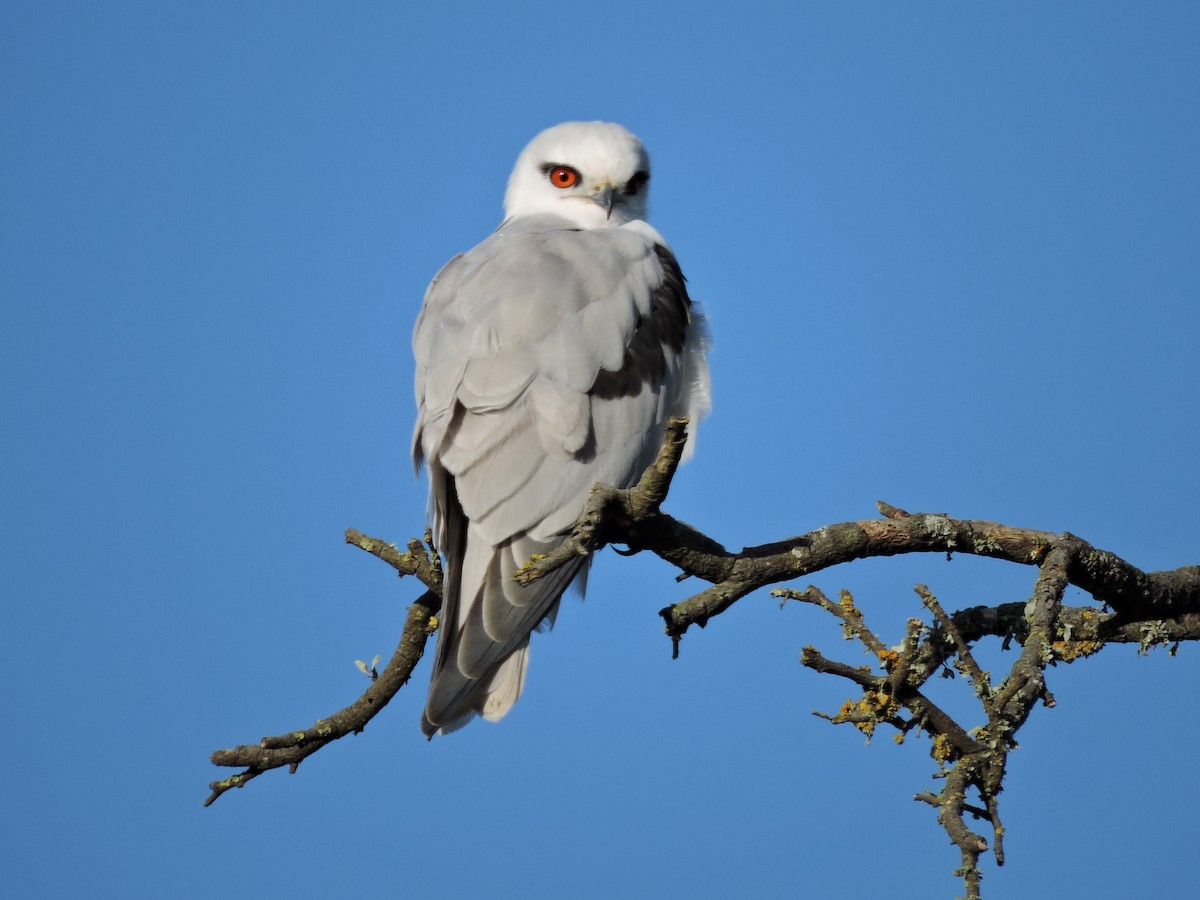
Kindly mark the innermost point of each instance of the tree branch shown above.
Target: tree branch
(292, 748)
(1146, 608)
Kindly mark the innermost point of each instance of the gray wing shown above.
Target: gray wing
(548, 359)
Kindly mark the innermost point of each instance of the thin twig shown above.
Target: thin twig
(292, 748)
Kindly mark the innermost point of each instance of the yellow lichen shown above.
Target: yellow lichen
(888, 658)
(1069, 651)
(942, 748)
(878, 703)
(852, 617)
(865, 713)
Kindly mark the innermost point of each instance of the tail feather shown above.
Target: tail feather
(483, 645)
(505, 685)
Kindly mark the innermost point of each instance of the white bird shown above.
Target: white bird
(549, 358)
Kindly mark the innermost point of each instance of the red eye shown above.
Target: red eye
(563, 177)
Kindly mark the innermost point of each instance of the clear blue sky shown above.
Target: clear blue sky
(950, 255)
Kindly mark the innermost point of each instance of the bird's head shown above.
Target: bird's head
(594, 173)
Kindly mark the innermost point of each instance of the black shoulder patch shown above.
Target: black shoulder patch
(658, 333)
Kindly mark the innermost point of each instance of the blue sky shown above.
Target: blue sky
(949, 252)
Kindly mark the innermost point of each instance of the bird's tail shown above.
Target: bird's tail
(483, 645)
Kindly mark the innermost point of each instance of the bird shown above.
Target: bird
(548, 359)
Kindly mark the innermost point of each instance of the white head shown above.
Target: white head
(594, 173)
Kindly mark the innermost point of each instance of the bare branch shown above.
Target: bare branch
(1158, 594)
(293, 747)
(980, 679)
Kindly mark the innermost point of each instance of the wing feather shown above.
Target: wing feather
(548, 359)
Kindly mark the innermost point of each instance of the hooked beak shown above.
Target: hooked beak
(602, 196)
